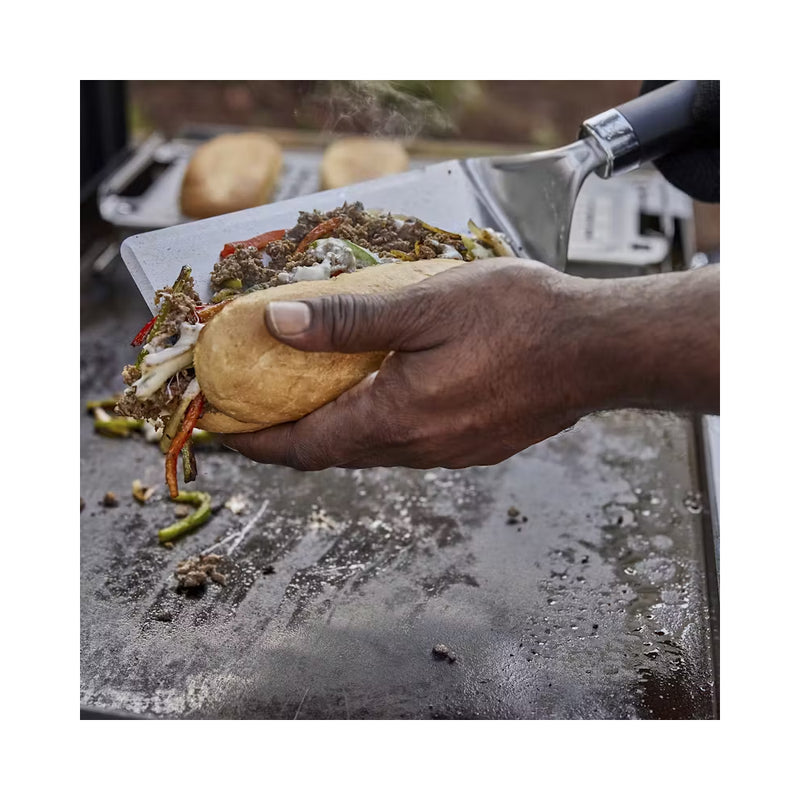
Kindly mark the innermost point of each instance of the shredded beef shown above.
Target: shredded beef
(161, 405)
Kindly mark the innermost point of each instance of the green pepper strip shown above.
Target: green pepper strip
(434, 229)
(166, 308)
(362, 255)
(108, 402)
(222, 294)
(121, 426)
(401, 255)
(202, 501)
(189, 462)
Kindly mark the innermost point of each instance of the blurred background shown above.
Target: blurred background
(447, 118)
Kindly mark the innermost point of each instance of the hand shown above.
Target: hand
(486, 360)
(473, 378)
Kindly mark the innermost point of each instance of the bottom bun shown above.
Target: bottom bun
(217, 422)
(256, 381)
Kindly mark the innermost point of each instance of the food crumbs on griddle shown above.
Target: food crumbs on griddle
(110, 500)
(515, 516)
(163, 616)
(83, 504)
(268, 570)
(140, 492)
(442, 652)
(236, 503)
(196, 571)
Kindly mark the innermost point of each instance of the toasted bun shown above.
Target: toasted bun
(254, 381)
(217, 422)
(231, 172)
(360, 158)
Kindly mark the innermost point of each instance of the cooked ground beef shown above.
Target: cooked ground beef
(383, 234)
(178, 307)
(197, 570)
(245, 263)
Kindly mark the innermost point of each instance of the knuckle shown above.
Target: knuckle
(303, 458)
(344, 316)
(398, 430)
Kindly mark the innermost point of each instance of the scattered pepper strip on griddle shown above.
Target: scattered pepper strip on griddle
(202, 501)
(193, 413)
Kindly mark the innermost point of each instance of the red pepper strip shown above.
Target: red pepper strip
(193, 413)
(139, 338)
(259, 242)
(323, 229)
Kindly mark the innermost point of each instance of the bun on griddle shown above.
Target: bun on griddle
(253, 381)
(229, 173)
(360, 158)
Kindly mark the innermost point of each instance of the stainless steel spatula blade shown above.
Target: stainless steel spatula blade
(443, 195)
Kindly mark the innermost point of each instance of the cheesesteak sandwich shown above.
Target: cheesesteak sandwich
(214, 365)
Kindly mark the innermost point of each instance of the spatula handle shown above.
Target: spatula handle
(645, 128)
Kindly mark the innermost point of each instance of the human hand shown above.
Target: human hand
(480, 368)
(492, 358)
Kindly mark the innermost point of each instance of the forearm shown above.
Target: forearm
(650, 342)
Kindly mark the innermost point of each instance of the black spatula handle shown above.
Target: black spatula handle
(645, 128)
(662, 119)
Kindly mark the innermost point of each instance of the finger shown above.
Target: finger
(337, 433)
(349, 323)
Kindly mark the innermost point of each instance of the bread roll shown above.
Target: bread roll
(255, 381)
(231, 172)
(360, 158)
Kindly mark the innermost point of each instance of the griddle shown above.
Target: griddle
(576, 580)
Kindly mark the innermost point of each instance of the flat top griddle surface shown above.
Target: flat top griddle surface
(592, 603)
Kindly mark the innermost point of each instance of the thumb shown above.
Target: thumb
(355, 323)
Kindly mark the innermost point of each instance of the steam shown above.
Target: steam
(393, 109)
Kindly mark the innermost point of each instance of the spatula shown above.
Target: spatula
(530, 198)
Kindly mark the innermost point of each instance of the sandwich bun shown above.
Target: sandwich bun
(230, 172)
(253, 381)
(354, 159)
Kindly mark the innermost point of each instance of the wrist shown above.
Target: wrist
(647, 342)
